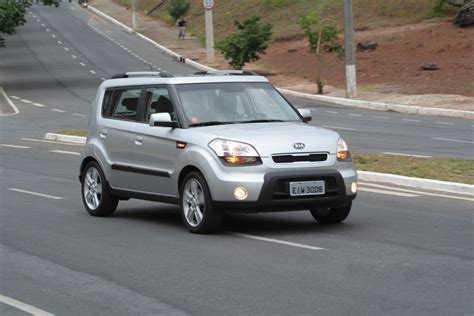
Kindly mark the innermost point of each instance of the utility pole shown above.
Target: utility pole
(351, 84)
(134, 15)
(208, 6)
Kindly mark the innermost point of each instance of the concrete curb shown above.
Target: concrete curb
(452, 187)
(9, 103)
(65, 138)
(332, 100)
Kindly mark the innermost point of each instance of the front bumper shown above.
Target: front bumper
(274, 192)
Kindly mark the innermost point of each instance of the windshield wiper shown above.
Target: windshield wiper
(210, 123)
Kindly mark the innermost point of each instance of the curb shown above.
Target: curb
(452, 187)
(333, 100)
(9, 102)
(65, 138)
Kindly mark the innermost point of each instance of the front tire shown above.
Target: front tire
(326, 215)
(95, 194)
(197, 211)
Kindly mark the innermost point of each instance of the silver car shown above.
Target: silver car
(211, 143)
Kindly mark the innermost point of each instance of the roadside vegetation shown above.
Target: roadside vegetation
(443, 169)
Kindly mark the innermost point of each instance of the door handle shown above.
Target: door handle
(103, 133)
(138, 140)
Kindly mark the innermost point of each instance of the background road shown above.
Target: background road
(401, 251)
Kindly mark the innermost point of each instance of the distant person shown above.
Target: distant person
(181, 27)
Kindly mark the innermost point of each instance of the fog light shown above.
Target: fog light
(240, 193)
(354, 187)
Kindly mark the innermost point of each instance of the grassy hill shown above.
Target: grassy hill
(284, 14)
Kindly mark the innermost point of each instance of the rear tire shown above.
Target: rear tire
(95, 193)
(326, 215)
(198, 214)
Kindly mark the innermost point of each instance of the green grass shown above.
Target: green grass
(444, 169)
(72, 132)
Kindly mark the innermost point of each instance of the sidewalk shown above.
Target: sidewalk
(194, 49)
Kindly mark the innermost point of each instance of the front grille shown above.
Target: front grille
(299, 158)
(281, 189)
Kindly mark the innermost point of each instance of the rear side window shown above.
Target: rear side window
(121, 103)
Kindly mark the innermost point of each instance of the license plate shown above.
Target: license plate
(307, 188)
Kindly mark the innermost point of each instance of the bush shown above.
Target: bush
(243, 47)
(178, 8)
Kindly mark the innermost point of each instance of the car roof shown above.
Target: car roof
(140, 81)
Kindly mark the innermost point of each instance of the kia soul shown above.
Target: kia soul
(211, 143)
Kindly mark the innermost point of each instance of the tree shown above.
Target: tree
(244, 46)
(12, 15)
(178, 8)
(321, 33)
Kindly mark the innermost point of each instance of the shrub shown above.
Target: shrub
(178, 8)
(244, 46)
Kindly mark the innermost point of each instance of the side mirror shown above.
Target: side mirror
(163, 120)
(306, 114)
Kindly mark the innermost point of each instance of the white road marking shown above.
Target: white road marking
(43, 25)
(407, 155)
(444, 123)
(415, 192)
(10, 102)
(39, 105)
(92, 72)
(454, 140)
(387, 192)
(74, 56)
(341, 128)
(50, 141)
(77, 114)
(34, 16)
(53, 36)
(382, 117)
(355, 114)
(15, 97)
(47, 30)
(36, 193)
(15, 146)
(65, 152)
(83, 65)
(277, 241)
(58, 110)
(66, 49)
(334, 112)
(103, 79)
(59, 42)
(38, 20)
(26, 101)
(24, 307)
(410, 120)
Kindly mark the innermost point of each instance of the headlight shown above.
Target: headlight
(342, 150)
(234, 153)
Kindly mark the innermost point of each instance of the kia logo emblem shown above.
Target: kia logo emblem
(299, 145)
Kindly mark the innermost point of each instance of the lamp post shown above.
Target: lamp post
(208, 6)
(351, 84)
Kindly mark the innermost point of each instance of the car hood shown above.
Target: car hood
(278, 138)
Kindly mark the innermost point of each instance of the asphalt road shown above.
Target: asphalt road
(401, 251)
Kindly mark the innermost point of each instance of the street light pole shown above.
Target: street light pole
(208, 6)
(351, 84)
(134, 15)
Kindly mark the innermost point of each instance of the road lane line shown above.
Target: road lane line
(83, 65)
(387, 192)
(277, 241)
(23, 306)
(36, 193)
(47, 30)
(77, 114)
(92, 72)
(407, 155)
(53, 36)
(416, 192)
(15, 97)
(382, 117)
(26, 101)
(39, 105)
(410, 120)
(50, 141)
(10, 103)
(38, 20)
(14, 146)
(342, 128)
(65, 152)
(74, 56)
(454, 140)
(66, 49)
(43, 25)
(355, 114)
(59, 42)
(444, 123)
(58, 110)
(333, 112)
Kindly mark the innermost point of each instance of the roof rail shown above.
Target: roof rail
(227, 73)
(142, 74)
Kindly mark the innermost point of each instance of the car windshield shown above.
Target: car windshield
(207, 104)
